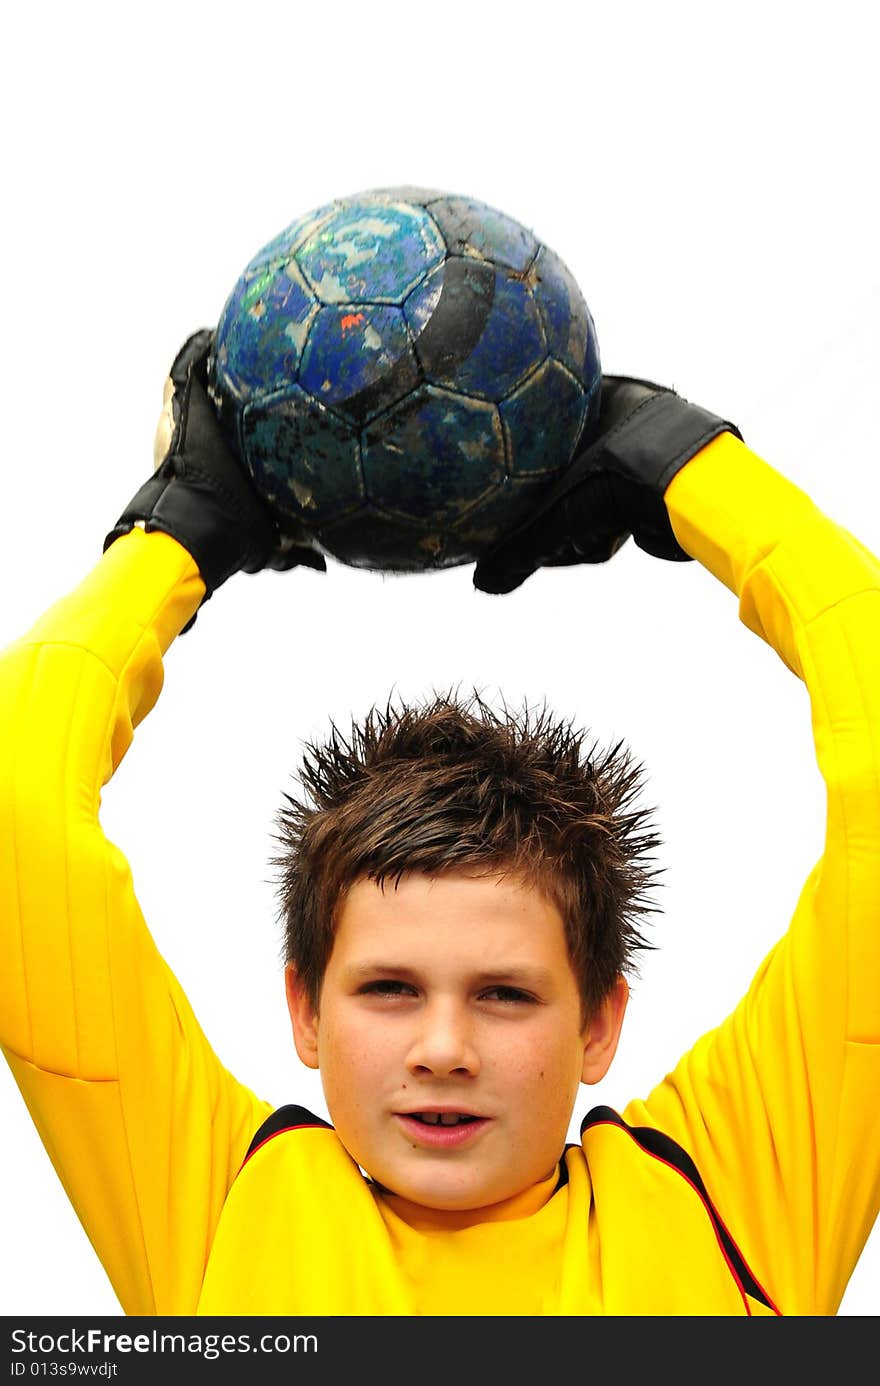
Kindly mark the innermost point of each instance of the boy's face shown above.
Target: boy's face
(452, 996)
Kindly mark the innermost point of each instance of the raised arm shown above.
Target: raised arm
(777, 1106)
(141, 1121)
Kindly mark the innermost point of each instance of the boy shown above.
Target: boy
(462, 899)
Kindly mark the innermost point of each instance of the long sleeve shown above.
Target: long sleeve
(143, 1125)
(778, 1105)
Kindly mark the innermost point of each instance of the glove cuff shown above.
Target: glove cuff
(207, 520)
(662, 433)
(647, 448)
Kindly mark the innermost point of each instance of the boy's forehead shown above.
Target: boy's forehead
(496, 915)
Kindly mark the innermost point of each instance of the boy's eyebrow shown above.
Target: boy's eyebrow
(519, 974)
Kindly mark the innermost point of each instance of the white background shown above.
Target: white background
(710, 181)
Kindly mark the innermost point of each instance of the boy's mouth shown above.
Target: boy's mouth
(447, 1130)
(441, 1118)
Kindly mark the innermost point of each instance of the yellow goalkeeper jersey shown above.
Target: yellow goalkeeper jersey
(746, 1182)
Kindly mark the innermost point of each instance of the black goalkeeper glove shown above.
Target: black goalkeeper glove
(613, 488)
(200, 493)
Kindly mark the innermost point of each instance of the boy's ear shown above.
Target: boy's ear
(602, 1032)
(303, 1017)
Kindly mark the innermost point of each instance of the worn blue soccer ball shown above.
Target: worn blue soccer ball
(403, 373)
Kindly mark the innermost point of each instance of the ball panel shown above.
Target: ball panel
(419, 197)
(568, 324)
(543, 419)
(262, 332)
(303, 459)
(282, 247)
(499, 510)
(448, 314)
(460, 450)
(359, 360)
(485, 337)
(473, 228)
(371, 254)
(371, 539)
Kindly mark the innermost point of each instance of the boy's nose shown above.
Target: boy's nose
(442, 1043)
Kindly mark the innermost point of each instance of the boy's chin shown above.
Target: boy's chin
(440, 1198)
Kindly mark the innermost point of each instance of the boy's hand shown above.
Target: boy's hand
(612, 489)
(199, 492)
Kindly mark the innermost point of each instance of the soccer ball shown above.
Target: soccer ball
(403, 373)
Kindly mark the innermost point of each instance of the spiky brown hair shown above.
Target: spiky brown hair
(451, 784)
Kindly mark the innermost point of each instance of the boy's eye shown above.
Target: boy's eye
(507, 994)
(393, 986)
(387, 986)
